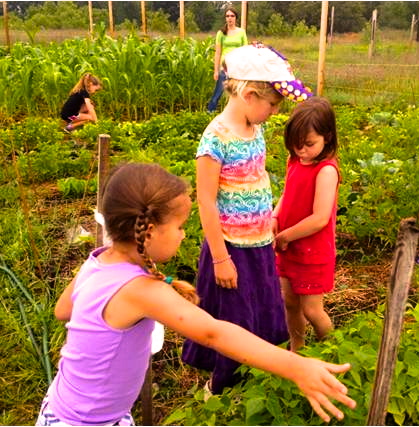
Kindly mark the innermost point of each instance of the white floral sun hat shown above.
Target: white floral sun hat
(257, 62)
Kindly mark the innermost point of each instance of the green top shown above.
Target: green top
(228, 43)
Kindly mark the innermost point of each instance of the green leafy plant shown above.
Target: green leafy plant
(263, 399)
(74, 188)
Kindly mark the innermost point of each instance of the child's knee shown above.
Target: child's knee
(313, 308)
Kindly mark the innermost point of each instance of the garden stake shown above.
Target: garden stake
(400, 277)
(103, 170)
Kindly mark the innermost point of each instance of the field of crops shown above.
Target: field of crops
(153, 107)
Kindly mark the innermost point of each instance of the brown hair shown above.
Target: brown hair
(224, 29)
(136, 195)
(86, 80)
(314, 114)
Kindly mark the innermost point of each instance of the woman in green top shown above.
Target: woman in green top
(227, 39)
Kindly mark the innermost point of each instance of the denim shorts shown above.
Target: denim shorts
(47, 417)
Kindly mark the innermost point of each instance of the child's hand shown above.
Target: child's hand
(226, 274)
(317, 382)
(281, 243)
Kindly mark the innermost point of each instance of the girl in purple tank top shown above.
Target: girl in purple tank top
(306, 218)
(111, 305)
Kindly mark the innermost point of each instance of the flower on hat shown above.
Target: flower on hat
(257, 62)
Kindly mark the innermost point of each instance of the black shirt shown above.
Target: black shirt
(73, 104)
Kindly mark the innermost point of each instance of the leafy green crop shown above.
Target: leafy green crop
(263, 399)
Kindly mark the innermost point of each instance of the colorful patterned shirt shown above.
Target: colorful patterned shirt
(244, 198)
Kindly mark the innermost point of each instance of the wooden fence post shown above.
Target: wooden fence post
(90, 8)
(6, 25)
(143, 18)
(373, 33)
(401, 274)
(412, 28)
(103, 170)
(111, 25)
(322, 48)
(332, 20)
(146, 397)
(243, 23)
(182, 19)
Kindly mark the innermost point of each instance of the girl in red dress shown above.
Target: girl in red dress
(305, 218)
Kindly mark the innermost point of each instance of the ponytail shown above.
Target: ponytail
(84, 82)
(183, 288)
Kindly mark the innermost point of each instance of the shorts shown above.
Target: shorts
(47, 418)
(307, 279)
(72, 118)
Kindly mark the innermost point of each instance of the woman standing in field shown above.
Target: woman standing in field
(79, 109)
(111, 305)
(306, 215)
(227, 39)
(237, 281)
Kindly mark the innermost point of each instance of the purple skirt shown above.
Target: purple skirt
(256, 305)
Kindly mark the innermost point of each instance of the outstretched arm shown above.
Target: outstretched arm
(157, 300)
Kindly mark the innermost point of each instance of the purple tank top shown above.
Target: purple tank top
(101, 370)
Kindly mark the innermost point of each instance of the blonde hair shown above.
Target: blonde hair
(85, 82)
(236, 87)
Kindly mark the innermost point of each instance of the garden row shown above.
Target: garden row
(48, 187)
(146, 77)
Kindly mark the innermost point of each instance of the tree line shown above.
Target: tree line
(264, 17)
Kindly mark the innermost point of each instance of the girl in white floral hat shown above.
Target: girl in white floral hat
(237, 281)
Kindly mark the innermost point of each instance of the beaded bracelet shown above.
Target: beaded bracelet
(219, 261)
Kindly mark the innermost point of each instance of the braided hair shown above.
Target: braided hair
(135, 196)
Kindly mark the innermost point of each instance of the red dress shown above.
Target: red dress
(309, 262)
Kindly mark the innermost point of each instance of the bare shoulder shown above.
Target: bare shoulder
(132, 302)
(329, 170)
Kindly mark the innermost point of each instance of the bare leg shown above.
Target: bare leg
(312, 306)
(295, 316)
(78, 122)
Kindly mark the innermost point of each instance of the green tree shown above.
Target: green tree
(205, 14)
(126, 10)
(254, 28)
(394, 14)
(307, 11)
(264, 10)
(159, 21)
(190, 24)
(277, 26)
(349, 16)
